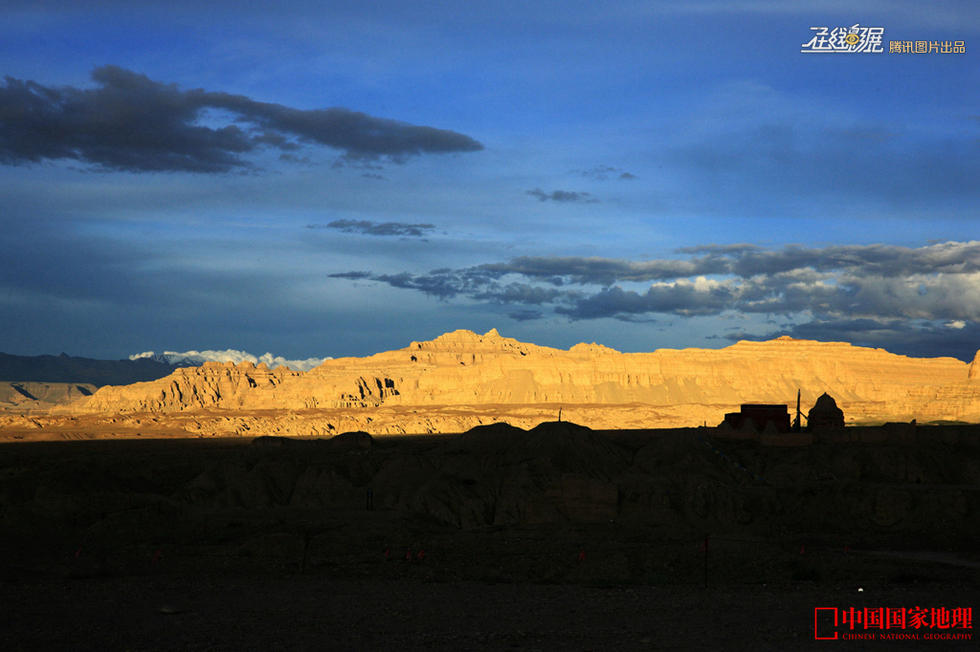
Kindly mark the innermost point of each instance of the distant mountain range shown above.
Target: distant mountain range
(69, 369)
(138, 368)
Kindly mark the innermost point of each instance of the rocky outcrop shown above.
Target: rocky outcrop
(462, 379)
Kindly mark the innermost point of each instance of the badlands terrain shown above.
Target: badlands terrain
(461, 380)
(174, 514)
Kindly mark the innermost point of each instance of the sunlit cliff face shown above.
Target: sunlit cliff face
(462, 379)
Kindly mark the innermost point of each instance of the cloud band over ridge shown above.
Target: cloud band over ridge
(845, 290)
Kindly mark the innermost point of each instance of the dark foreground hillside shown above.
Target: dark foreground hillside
(499, 538)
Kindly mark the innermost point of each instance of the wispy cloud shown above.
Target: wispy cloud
(562, 196)
(605, 172)
(368, 227)
(131, 122)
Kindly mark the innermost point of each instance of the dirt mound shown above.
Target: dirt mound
(491, 438)
(569, 448)
(358, 440)
(502, 475)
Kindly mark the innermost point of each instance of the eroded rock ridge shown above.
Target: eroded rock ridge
(462, 379)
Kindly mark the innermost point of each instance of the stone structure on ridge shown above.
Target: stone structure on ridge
(825, 415)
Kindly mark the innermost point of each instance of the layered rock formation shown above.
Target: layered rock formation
(462, 379)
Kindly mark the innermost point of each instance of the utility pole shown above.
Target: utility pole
(797, 424)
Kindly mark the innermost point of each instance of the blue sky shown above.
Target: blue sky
(327, 179)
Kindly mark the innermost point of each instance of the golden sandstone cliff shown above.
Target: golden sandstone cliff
(462, 379)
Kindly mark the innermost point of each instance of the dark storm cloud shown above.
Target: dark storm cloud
(884, 260)
(749, 260)
(376, 228)
(523, 293)
(853, 287)
(563, 196)
(131, 122)
(440, 283)
(681, 298)
(475, 283)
